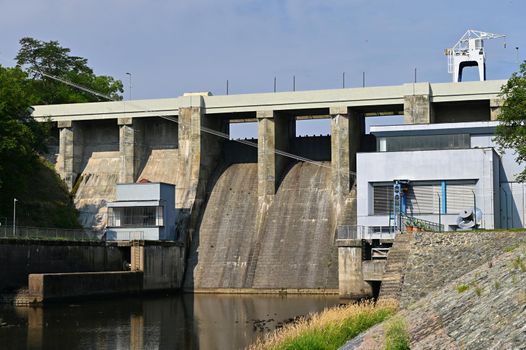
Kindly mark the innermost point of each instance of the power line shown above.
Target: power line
(202, 128)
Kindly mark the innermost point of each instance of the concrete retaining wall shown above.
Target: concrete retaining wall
(52, 286)
(19, 258)
(162, 265)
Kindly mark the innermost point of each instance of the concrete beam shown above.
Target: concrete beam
(284, 101)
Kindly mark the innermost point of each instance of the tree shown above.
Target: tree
(21, 137)
(36, 57)
(25, 175)
(511, 132)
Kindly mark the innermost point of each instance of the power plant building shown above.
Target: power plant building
(445, 169)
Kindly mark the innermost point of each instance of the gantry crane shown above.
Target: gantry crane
(469, 52)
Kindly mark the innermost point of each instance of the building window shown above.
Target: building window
(382, 199)
(135, 216)
(426, 197)
(459, 196)
(423, 142)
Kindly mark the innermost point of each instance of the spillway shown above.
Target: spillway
(292, 249)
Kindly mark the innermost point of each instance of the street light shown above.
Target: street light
(130, 85)
(14, 215)
(439, 214)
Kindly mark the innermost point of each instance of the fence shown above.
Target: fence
(364, 232)
(24, 232)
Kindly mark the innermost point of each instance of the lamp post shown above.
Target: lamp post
(14, 216)
(130, 85)
(439, 214)
(474, 208)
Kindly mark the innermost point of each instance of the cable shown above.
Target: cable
(202, 128)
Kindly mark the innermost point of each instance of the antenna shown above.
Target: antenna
(469, 52)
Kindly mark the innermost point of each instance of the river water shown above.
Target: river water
(183, 321)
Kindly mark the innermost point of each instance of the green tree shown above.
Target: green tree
(43, 198)
(36, 57)
(21, 137)
(511, 132)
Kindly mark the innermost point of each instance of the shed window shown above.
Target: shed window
(135, 216)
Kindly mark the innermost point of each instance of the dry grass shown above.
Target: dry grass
(329, 329)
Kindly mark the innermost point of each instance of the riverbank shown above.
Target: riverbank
(329, 329)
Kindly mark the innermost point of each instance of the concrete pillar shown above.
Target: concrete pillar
(418, 108)
(130, 149)
(495, 105)
(350, 270)
(340, 150)
(71, 148)
(274, 133)
(266, 156)
(190, 149)
(199, 153)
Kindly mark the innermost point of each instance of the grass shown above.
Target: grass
(478, 291)
(329, 329)
(497, 285)
(461, 288)
(396, 334)
(518, 263)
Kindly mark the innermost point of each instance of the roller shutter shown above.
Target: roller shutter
(382, 199)
(423, 199)
(459, 197)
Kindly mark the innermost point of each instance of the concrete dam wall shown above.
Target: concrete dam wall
(293, 247)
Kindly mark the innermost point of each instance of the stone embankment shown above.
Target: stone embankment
(473, 288)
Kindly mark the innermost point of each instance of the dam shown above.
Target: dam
(251, 219)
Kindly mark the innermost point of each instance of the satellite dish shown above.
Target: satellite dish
(469, 218)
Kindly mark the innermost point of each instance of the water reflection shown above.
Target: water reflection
(170, 322)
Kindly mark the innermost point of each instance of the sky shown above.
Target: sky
(176, 46)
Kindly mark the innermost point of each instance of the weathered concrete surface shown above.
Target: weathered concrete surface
(162, 264)
(223, 248)
(19, 258)
(351, 279)
(71, 151)
(418, 110)
(294, 248)
(95, 187)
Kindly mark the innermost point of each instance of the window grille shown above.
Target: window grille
(135, 216)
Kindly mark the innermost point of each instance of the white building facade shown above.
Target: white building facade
(448, 168)
(142, 211)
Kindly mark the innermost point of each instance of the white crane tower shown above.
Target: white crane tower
(469, 52)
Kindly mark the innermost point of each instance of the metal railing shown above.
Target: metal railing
(364, 232)
(420, 225)
(131, 235)
(44, 233)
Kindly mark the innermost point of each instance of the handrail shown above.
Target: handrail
(47, 233)
(425, 225)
